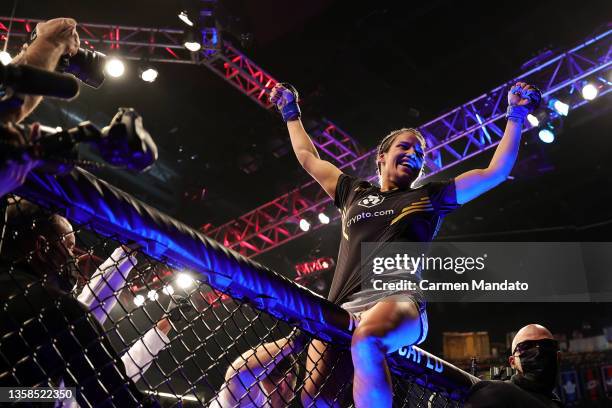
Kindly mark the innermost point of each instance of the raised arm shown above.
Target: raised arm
(99, 294)
(248, 376)
(522, 99)
(326, 174)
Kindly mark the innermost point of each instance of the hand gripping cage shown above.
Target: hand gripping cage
(163, 315)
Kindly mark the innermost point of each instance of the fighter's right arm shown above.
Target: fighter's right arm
(324, 173)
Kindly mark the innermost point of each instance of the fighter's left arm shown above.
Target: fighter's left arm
(522, 99)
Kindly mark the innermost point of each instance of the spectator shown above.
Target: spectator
(47, 336)
(535, 357)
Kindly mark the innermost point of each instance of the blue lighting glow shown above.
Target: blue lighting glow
(546, 135)
(560, 107)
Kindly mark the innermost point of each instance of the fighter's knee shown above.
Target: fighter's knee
(366, 340)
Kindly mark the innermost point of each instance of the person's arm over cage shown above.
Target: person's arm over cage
(99, 294)
(54, 38)
(253, 377)
(285, 97)
(522, 99)
(141, 354)
(97, 369)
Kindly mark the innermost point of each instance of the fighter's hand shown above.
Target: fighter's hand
(281, 95)
(13, 173)
(526, 95)
(61, 32)
(286, 98)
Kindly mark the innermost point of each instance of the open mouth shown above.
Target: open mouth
(408, 163)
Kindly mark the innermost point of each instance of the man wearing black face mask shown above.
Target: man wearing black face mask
(46, 335)
(535, 357)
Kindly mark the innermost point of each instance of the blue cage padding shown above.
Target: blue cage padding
(85, 199)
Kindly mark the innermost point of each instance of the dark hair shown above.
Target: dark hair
(25, 221)
(387, 141)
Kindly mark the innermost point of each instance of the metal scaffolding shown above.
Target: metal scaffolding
(165, 45)
(453, 137)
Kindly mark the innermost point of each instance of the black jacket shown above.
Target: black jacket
(46, 335)
(507, 394)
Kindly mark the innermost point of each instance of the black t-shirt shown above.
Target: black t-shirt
(506, 394)
(46, 336)
(369, 215)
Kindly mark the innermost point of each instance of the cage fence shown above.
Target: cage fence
(115, 305)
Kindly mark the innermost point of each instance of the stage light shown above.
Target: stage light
(114, 67)
(184, 280)
(5, 58)
(139, 300)
(560, 107)
(192, 40)
(153, 295)
(533, 121)
(589, 92)
(304, 225)
(546, 135)
(184, 17)
(323, 218)
(192, 46)
(168, 290)
(149, 74)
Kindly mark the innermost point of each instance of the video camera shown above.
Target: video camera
(123, 143)
(86, 65)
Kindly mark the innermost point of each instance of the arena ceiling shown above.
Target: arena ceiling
(370, 67)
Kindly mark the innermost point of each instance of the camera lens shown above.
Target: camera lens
(87, 66)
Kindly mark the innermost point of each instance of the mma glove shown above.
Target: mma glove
(286, 101)
(518, 113)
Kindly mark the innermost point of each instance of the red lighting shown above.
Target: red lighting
(320, 264)
(214, 298)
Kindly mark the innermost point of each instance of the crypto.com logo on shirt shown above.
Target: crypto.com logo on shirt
(370, 201)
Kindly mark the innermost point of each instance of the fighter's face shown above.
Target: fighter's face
(402, 163)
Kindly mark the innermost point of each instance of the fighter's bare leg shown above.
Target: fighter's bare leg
(328, 374)
(385, 328)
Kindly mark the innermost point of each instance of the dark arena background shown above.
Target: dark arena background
(204, 277)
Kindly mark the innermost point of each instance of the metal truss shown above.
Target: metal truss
(166, 46)
(458, 135)
(454, 137)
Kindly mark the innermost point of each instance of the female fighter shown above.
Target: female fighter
(386, 321)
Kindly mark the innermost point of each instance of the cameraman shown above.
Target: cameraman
(12, 173)
(55, 38)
